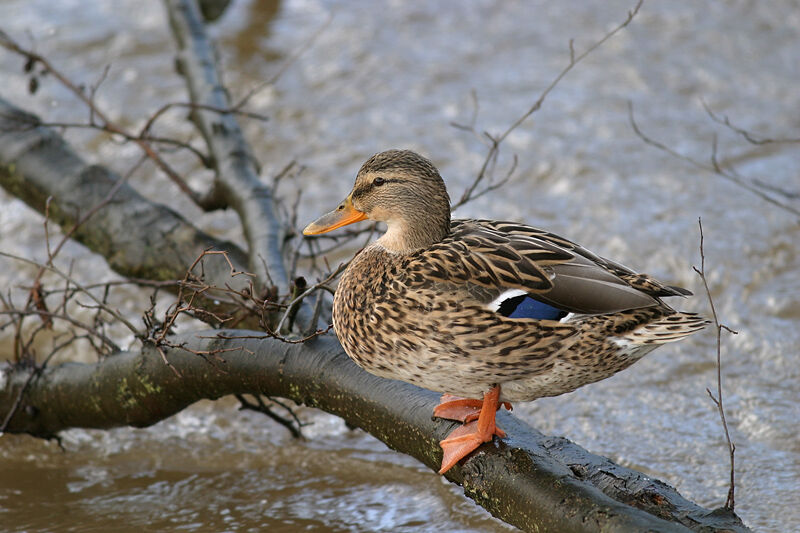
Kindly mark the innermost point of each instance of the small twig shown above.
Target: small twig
(31, 122)
(61, 316)
(470, 126)
(574, 60)
(294, 424)
(284, 172)
(167, 363)
(730, 502)
(156, 284)
(750, 137)
(496, 141)
(7, 42)
(285, 66)
(306, 292)
(312, 327)
(93, 91)
(144, 132)
(179, 308)
(35, 295)
(272, 335)
(752, 186)
(59, 273)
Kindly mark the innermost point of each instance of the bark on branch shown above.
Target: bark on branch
(533, 481)
(137, 237)
(236, 180)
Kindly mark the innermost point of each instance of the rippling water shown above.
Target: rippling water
(396, 74)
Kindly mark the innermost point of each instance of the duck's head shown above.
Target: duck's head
(401, 188)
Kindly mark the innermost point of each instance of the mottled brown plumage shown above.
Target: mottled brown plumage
(471, 306)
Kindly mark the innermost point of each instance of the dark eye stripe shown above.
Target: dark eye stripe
(364, 189)
(377, 182)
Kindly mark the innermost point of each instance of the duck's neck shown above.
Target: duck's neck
(404, 236)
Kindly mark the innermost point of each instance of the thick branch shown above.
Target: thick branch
(236, 169)
(138, 238)
(530, 480)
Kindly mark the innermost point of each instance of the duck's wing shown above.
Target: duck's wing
(498, 261)
(642, 282)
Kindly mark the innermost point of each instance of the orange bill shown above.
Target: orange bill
(341, 216)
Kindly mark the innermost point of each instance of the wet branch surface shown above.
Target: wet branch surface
(530, 480)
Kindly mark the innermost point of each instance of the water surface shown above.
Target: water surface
(396, 74)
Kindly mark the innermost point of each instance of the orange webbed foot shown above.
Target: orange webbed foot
(455, 408)
(465, 439)
(462, 410)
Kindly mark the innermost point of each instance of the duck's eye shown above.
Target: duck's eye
(378, 182)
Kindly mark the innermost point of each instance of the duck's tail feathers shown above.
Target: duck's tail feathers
(670, 328)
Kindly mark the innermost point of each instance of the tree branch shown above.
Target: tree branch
(95, 113)
(530, 480)
(236, 169)
(138, 238)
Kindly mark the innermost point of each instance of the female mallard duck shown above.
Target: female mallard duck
(482, 308)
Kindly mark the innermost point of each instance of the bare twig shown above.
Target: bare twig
(185, 305)
(62, 316)
(61, 274)
(573, 60)
(272, 335)
(730, 502)
(495, 141)
(295, 301)
(35, 295)
(95, 113)
(32, 121)
(749, 136)
(145, 131)
(293, 423)
(753, 186)
(285, 66)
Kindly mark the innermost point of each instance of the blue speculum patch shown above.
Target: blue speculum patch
(523, 306)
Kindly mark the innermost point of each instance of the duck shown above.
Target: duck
(485, 312)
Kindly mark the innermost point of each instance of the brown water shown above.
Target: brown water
(395, 74)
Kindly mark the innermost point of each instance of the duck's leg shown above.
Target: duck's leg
(465, 439)
(461, 409)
